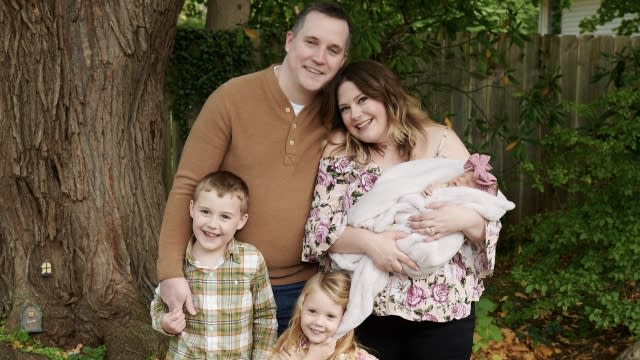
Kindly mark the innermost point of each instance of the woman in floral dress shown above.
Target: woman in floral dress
(430, 317)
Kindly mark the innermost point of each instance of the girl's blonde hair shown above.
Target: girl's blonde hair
(336, 286)
(404, 113)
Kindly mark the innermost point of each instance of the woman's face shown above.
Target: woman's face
(364, 117)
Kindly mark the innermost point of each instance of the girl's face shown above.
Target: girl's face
(319, 317)
(365, 118)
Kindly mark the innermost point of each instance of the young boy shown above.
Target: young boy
(236, 311)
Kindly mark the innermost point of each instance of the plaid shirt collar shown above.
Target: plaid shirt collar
(232, 252)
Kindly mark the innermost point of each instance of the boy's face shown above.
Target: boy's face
(317, 51)
(465, 179)
(215, 221)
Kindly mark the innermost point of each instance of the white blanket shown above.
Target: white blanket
(398, 194)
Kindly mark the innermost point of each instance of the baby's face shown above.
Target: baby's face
(465, 179)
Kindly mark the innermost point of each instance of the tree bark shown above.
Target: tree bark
(81, 166)
(631, 353)
(227, 14)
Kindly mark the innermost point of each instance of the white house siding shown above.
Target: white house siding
(581, 9)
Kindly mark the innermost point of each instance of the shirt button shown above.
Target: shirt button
(287, 110)
(291, 142)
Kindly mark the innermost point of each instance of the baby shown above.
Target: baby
(398, 193)
(476, 175)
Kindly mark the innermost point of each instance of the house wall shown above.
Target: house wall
(579, 10)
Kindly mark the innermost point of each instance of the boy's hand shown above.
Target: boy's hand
(173, 322)
(321, 351)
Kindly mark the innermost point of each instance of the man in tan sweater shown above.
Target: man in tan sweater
(265, 127)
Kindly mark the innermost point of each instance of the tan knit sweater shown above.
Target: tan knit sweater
(247, 126)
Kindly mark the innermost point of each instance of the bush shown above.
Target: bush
(582, 255)
(200, 62)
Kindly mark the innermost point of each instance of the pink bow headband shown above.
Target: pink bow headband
(480, 166)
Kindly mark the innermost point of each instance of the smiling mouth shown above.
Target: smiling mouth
(210, 234)
(363, 124)
(314, 71)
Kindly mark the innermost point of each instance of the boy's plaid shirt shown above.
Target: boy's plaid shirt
(236, 310)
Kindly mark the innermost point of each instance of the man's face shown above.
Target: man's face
(317, 51)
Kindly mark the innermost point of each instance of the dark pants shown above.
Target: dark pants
(286, 297)
(393, 338)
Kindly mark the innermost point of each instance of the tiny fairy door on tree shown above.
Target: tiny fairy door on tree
(31, 318)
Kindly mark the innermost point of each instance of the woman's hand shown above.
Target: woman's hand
(442, 219)
(385, 254)
(381, 248)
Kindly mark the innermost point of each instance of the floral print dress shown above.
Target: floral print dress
(445, 294)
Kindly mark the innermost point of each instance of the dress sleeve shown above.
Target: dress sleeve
(332, 198)
(485, 258)
(265, 326)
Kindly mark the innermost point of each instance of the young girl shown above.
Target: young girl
(316, 317)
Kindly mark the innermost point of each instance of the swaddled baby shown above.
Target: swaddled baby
(404, 190)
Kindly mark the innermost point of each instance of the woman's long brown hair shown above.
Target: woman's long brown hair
(404, 113)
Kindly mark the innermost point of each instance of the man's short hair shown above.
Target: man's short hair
(329, 9)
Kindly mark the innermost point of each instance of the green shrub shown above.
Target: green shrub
(486, 328)
(582, 254)
(200, 62)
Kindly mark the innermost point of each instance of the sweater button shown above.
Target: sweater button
(287, 109)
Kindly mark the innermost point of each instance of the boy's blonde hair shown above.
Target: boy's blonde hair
(225, 183)
(336, 286)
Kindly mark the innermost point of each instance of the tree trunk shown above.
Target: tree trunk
(80, 166)
(631, 353)
(227, 14)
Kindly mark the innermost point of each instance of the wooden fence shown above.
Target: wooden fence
(462, 97)
(577, 58)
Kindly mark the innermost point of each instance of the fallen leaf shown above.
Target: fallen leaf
(251, 33)
(518, 294)
(543, 351)
(508, 335)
